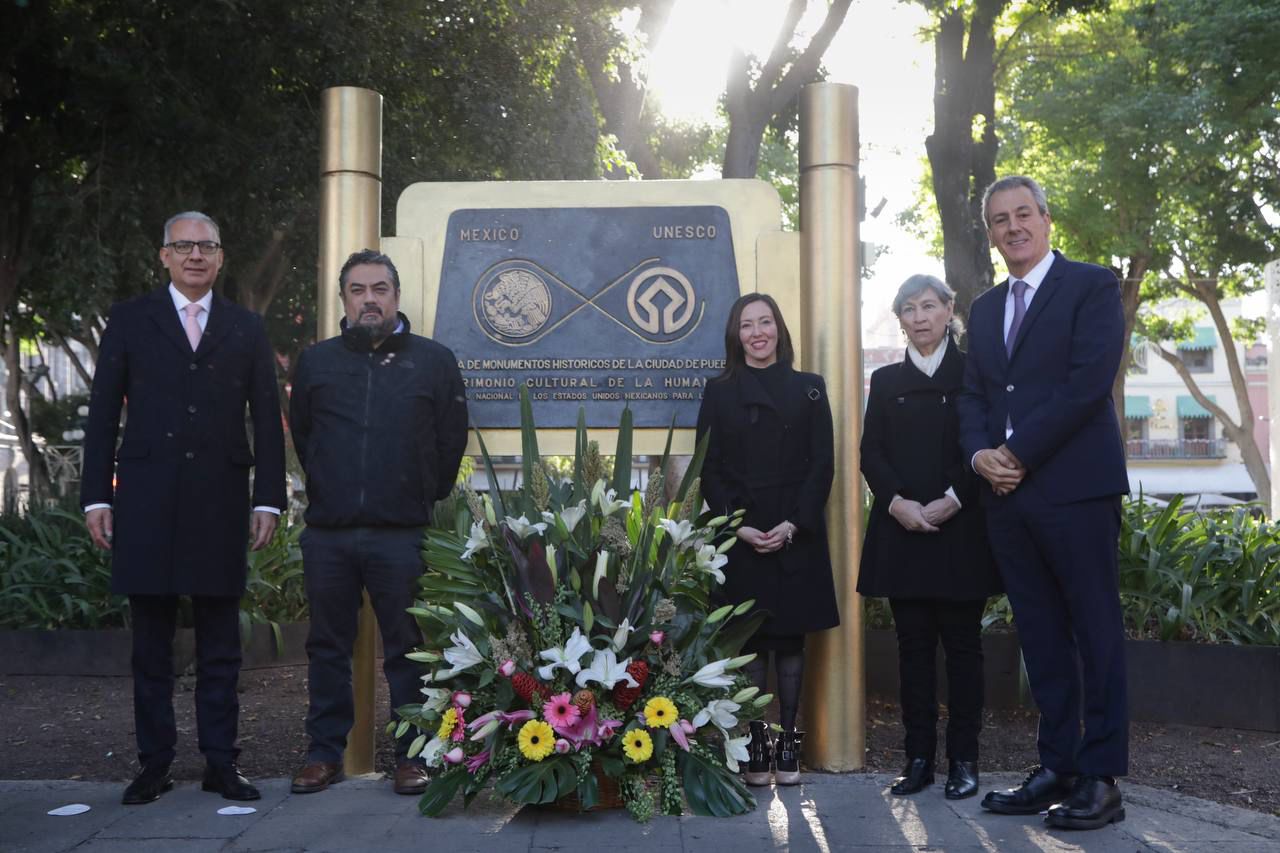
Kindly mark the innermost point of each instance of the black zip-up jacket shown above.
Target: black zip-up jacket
(379, 432)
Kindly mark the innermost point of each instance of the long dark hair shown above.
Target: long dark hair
(735, 357)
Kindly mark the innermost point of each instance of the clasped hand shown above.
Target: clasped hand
(923, 518)
(767, 542)
(1000, 468)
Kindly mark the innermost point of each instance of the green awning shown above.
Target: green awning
(1189, 408)
(1137, 407)
(1204, 339)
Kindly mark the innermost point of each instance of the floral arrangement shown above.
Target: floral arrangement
(574, 646)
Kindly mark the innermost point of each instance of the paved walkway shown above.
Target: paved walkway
(827, 813)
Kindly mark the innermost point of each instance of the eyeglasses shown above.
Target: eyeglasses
(184, 247)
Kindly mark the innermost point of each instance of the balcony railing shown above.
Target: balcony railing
(1177, 448)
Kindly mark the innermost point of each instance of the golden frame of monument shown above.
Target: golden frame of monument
(814, 275)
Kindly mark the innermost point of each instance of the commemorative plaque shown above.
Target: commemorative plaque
(596, 307)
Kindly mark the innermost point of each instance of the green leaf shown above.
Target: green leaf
(544, 782)
(441, 791)
(622, 455)
(710, 789)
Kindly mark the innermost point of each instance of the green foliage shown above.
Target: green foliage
(1210, 577)
(52, 576)
(50, 419)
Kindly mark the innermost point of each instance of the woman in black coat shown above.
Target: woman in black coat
(926, 547)
(771, 454)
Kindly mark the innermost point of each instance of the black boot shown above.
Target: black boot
(787, 771)
(916, 776)
(962, 780)
(760, 765)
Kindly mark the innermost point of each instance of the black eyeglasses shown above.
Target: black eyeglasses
(184, 247)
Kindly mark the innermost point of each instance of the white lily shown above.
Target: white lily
(679, 531)
(712, 675)
(437, 698)
(720, 712)
(602, 567)
(606, 671)
(710, 561)
(432, 752)
(604, 498)
(463, 654)
(735, 750)
(620, 635)
(477, 541)
(570, 515)
(568, 657)
(522, 527)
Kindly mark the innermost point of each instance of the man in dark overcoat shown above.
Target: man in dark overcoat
(1038, 424)
(172, 502)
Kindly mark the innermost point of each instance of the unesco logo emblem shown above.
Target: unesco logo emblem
(654, 286)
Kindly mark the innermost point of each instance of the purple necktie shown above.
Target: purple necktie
(1019, 311)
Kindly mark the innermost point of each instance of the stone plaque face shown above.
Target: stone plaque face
(589, 306)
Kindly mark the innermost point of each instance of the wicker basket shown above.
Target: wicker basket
(610, 794)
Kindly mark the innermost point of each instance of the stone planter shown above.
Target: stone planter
(89, 653)
(1189, 683)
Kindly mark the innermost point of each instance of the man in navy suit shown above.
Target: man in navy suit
(173, 501)
(1037, 421)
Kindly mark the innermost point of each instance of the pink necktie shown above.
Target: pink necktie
(192, 323)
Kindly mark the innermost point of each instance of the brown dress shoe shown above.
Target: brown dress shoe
(411, 777)
(316, 777)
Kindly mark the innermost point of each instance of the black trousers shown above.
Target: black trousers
(217, 628)
(920, 624)
(337, 563)
(1060, 565)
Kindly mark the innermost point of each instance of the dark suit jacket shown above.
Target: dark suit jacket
(180, 491)
(776, 461)
(1056, 386)
(911, 447)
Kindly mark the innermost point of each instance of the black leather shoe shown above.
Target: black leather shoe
(227, 780)
(916, 776)
(786, 759)
(759, 755)
(1095, 801)
(1041, 789)
(148, 786)
(962, 780)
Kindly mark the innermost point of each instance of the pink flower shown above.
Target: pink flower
(680, 731)
(560, 712)
(606, 730)
(454, 756)
(656, 637)
(507, 669)
(562, 746)
(511, 718)
(462, 699)
(477, 761)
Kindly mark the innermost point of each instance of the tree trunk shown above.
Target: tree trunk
(962, 152)
(81, 370)
(777, 88)
(1130, 299)
(37, 474)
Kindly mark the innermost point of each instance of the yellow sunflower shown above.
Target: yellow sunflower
(448, 722)
(537, 740)
(660, 712)
(637, 745)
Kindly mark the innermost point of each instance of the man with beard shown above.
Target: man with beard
(379, 421)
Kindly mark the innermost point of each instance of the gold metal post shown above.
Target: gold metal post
(350, 220)
(1271, 273)
(835, 695)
